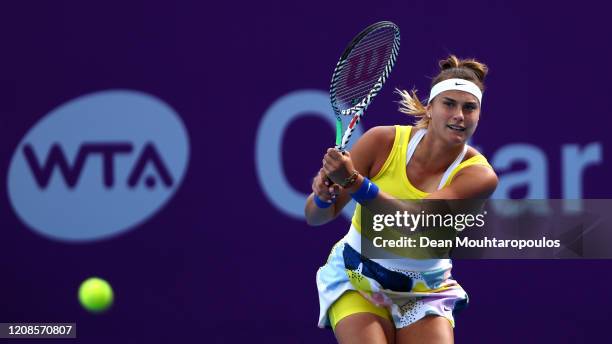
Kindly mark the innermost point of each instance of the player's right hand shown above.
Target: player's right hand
(324, 188)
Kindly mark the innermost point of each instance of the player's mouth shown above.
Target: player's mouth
(455, 127)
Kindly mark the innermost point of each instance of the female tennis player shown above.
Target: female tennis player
(404, 300)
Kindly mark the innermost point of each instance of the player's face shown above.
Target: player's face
(454, 115)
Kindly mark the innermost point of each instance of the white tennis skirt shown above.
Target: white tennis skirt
(408, 295)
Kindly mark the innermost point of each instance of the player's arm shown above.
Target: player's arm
(474, 183)
(364, 154)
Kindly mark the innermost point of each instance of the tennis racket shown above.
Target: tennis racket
(360, 74)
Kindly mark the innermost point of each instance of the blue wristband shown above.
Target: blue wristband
(321, 203)
(367, 191)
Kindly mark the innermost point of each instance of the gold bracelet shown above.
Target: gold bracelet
(349, 181)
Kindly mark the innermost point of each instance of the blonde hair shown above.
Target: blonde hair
(451, 67)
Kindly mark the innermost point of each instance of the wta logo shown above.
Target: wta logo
(98, 165)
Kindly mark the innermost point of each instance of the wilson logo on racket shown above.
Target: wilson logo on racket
(98, 165)
(359, 66)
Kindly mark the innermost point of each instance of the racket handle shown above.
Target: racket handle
(338, 132)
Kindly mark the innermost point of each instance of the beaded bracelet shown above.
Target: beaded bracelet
(350, 180)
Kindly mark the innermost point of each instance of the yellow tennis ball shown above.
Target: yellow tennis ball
(95, 295)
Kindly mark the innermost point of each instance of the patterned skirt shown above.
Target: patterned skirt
(407, 295)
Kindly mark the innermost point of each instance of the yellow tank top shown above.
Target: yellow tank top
(392, 178)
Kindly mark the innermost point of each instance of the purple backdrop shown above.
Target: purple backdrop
(220, 262)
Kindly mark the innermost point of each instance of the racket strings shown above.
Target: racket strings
(349, 94)
(359, 51)
(376, 38)
(349, 98)
(359, 89)
(378, 46)
(371, 42)
(368, 73)
(361, 54)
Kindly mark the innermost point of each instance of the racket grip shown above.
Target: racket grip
(338, 132)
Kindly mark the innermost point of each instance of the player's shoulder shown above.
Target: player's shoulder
(471, 152)
(381, 134)
(376, 140)
(373, 148)
(479, 170)
(474, 152)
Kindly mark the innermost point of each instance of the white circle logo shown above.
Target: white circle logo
(98, 165)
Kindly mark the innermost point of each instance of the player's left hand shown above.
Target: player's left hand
(337, 166)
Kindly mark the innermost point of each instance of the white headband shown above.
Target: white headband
(456, 84)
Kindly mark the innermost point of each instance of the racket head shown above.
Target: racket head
(363, 68)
